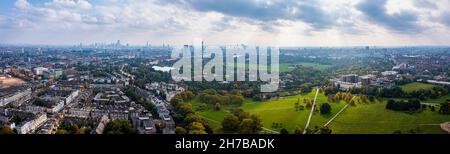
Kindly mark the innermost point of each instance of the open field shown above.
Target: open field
(438, 100)
(415, 86)
(278, 111)
(287, 67)
(370, 118)
(373, 118)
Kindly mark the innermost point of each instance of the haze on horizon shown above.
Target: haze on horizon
(259, 22)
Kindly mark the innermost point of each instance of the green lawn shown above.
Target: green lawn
(287, 67)
(370, 118)
(438, 100)
(375, 119)
(415, 86)
(283, 111)
(278, 111)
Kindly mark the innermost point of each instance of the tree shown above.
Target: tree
(74, 129)
(196, 128)
(176, 100)
(202, 106)
(240, 113)
(257, 123)
(325, 130)
(6, 130)
(120, 127)
(236, 99)
(410, 105)
(390, 104)
(230, 123)
(348, 97)
(325, 108)
(141, 100)
(190, 118)
(61, 131)
(180, 130)
(197, 132)
(217, 107)
(208, 128)
(188, 95)
(284, 131)
(185, 108)
(252, 125)
(397, 132)
(246, 126)
(445, 108)
(297, 130)
(308, 105)
(148, 105)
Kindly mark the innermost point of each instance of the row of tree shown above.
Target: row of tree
(445, 107)
(119, 127)
(316, 130)
(186, 118)
(241, 122)
(394, 92)
(402, 105)
(214, 98)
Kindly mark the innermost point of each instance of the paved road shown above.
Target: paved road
(312, 111)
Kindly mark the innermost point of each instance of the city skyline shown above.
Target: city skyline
(286, 23)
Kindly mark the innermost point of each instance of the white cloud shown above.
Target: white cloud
(139, 21)
(73, 4)
(22, 4)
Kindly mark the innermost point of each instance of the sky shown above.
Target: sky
(256, 22)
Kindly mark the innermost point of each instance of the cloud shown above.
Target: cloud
(402, 22)
(235, 21)
(22, 4)
(74, 4)
(445, 18)
(267, 11)
(425, 4)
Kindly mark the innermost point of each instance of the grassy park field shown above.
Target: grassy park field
(369, 118)
(415, 86)
(277, 111)
(439, 100)
(287, 67)
(373, 118)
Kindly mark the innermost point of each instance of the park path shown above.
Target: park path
(337, 114)
(312, 111)
(215, 121)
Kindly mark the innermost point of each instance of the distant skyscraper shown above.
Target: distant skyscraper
(203, 46)
(118, 43)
